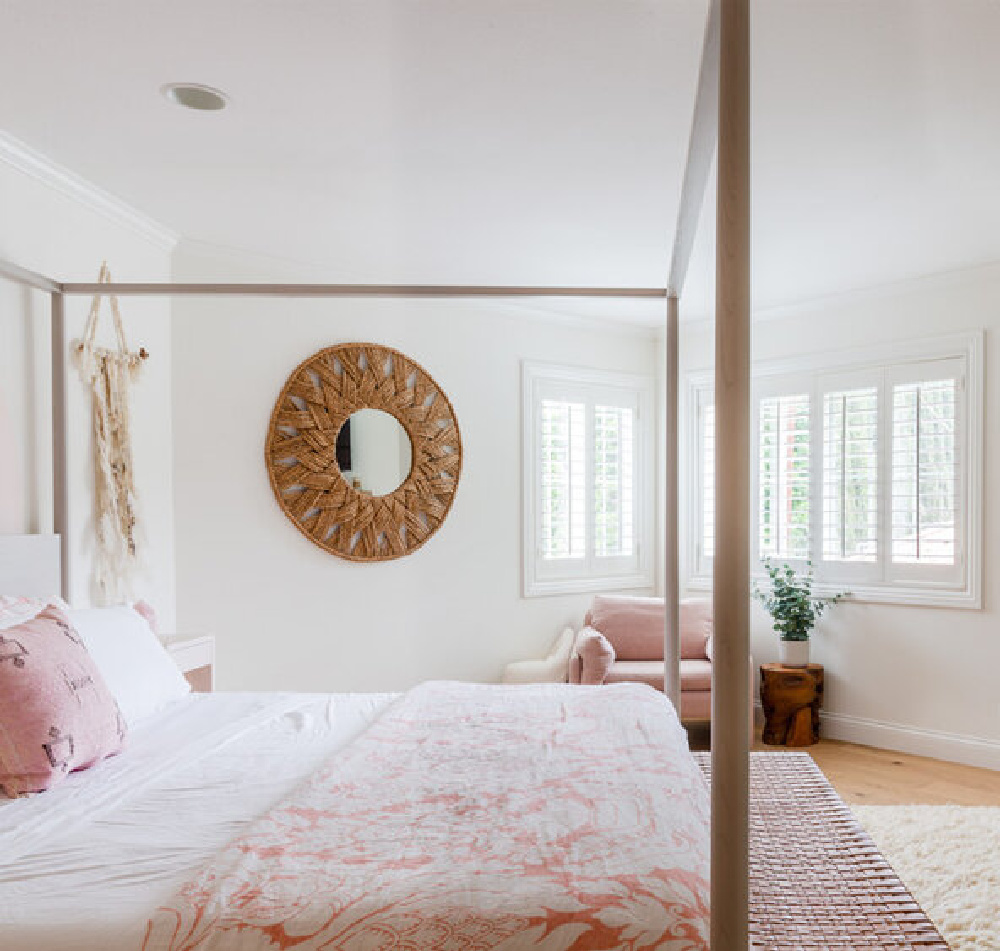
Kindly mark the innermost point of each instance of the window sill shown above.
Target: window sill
(542, 589)
(925, 596)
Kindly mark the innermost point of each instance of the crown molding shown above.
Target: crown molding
(921, 283)
(986, 272)
(29, 161)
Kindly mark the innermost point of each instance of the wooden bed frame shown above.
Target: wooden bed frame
(721, 121)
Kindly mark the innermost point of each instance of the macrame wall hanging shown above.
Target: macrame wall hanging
(109, 372)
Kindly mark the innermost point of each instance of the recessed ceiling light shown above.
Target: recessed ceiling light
(195, 96)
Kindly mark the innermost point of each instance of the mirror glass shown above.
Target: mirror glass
(374, 452)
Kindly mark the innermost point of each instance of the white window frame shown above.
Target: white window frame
(700, 396)
(593, 573)
(880, 581)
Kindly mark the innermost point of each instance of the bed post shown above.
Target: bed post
(671, 548)
(60, 482)
(701, 149)
(730, 686)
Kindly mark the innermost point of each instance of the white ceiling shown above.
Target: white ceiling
(500, 141)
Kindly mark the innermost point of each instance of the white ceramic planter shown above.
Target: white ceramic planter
(793, 653)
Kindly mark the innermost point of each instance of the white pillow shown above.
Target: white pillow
(134, 664)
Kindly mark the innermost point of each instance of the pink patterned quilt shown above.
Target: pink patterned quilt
(474, 818)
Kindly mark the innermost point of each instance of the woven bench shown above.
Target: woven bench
(817, 881)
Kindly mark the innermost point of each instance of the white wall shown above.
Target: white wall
(909, 678)
(289, 615)
(54, 223)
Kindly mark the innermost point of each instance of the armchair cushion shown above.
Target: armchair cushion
(696, 675)
(635, 626)
(637, 672)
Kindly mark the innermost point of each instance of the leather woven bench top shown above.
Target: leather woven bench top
(817, 881)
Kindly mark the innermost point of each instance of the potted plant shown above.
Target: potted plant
(794, 610)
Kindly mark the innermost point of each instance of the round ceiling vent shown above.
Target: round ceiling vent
(196, 96)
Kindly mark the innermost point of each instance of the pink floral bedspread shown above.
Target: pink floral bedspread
(473, 817)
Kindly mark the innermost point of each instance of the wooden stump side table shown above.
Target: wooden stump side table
(791, 698)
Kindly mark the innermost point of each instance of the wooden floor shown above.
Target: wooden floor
(863, 774)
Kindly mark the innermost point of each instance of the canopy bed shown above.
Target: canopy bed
(649, 750)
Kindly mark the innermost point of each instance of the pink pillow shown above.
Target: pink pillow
(56, 713)
(596, 656)
(635, 626)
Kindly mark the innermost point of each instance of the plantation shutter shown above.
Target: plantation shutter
(708, 481)
(584, 490)
(926, 468)
(869, 464)
(614, 471)
(783, 488)
(562, 465)
(850, 490)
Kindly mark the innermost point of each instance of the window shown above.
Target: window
(783, 440)
(614, 472)
(933, 436)
(869, 466)
(587, 510)
(708, 460)
(850, 475)
(563, 457)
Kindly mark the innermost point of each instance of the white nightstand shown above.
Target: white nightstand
(196, 658)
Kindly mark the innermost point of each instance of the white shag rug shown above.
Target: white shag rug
(949, 858)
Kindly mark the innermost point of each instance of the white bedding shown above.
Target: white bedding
(83, 866)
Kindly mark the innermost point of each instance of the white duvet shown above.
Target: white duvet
(83, 866)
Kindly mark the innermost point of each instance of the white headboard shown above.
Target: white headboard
(29, 565)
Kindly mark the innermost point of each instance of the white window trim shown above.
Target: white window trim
(700, 565)
(966, 346)
(533, 373)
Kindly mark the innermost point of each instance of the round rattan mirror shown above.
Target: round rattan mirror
(320, 422)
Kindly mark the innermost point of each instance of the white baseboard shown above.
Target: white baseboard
(952, 747)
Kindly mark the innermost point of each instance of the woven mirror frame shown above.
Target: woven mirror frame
(301, 452)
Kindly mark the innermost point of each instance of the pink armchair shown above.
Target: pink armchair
(623, 641)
